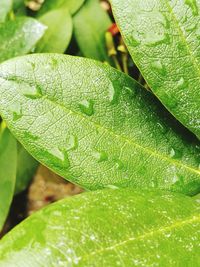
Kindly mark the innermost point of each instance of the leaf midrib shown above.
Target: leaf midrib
(160, 230)
(193, 59)
(124, 138)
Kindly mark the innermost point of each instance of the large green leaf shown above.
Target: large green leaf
(5, 7)
(8, 167)
(95, 126)
(26, 167)
(19, 37)
(90, 26)
(59, 32)
(163, 39)
(108, 228)
(71, 5)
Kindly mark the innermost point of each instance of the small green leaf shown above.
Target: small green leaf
(163, 39)
(26, 167)
(8, 167)
(59, 32)
(72, 5)
(5, 8)
(90, 26)
(108, 228)
(96, 126)
(19, 37)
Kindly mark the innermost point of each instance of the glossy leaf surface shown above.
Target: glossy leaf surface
(90, 26)
(26, 167)
(5, 7)
(19, 37)
(163, 39)
(8, 168)
(59, 32)
(95, 126)
(108, 228)
(72, 5)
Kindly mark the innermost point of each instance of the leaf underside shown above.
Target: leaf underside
(163, 39)
(96, 126)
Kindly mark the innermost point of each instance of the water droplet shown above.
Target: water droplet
(112, 186)
(129, 91)
(29, 136)
(113, 92)
(17, 116)
(182, 84)
(193, 5)
(159, 67)
(119, 164)
(61, 155)
(162, 127)
(87, 107)
(155, 34)
(175, 153)
(100, 156)
(92, 237)
(72, 142)
(32, 92)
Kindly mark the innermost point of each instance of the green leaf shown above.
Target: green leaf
(59, 32)
(18, 4)
(72, 5)
(19, 8)
(96, 126)
(90, 26)
(8, 165)
(163, 40)
(5, 7)
(26, 167)
(19, 37)
(108, 228)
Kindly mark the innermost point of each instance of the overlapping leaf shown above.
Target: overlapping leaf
(163, 39)
(90, 26)
(5, 7)
(26, 167)
(8, 167)
(108, 228)
(59, 32)
(19, 37)
(72, 5)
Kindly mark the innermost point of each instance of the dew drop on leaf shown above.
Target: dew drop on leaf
(119, 164)
(87, 107)
(100, 156)
(72, 142)
(162, 128)
(113, 93)
(17, 111)
(154, 35)
(16, 116)
(112, 186)
(159, 67)
(32, 92)
(175, 154)
(182, 84)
